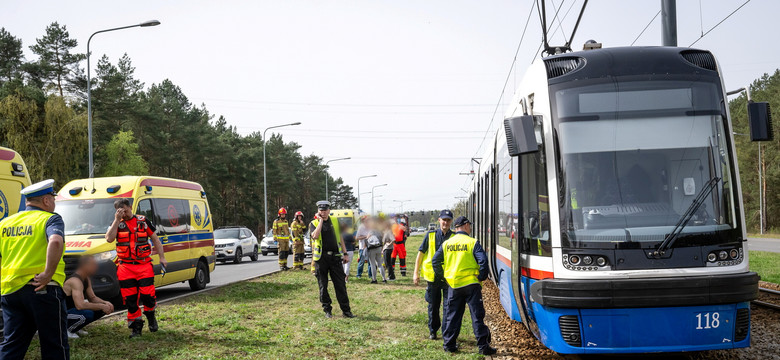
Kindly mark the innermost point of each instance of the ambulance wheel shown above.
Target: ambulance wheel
(265, 253)
(253, 257)
(201, 277)
(239, 255)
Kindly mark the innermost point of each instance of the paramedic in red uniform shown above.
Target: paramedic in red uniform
(134, 272)
(399, 248)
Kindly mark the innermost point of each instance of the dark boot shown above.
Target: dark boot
(152, 320)
(137, 326)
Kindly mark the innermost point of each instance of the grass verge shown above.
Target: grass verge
(766, 264)
(280, 317)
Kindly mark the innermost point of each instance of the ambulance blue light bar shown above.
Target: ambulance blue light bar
(113, 189)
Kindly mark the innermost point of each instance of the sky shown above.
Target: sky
(407, 89)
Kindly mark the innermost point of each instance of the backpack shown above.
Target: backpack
(373, 242)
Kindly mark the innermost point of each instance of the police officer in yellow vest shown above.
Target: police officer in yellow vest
(437, 288)
(31, 277)
(463, 263)
(282, 237)
(328, 255)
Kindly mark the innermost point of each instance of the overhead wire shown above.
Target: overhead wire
(719, 22)
(645, 29)
(551, 25)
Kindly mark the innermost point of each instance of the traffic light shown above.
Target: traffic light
(411, 213)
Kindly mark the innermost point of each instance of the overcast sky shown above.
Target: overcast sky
(405, 88)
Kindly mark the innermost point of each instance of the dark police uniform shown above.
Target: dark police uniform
(463, 263)
(437, 289)
(23, 246)
(327, 260)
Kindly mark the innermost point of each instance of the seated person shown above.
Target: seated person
(82, 304)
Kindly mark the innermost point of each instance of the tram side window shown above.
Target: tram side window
(174, 215)
(535, 201)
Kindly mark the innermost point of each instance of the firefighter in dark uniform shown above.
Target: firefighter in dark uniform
(33, 272)
(328, 254)
(462, 262)
(135, 272)
(437, 289)
(282, 237)
(299, 250)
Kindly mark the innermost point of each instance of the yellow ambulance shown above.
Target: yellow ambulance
(178, 208)
(13, 178)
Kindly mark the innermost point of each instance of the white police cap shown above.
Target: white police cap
(323, 205)
(39, 189)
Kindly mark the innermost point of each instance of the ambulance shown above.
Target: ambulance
(178, 208)
(346, 217)
(13, 178)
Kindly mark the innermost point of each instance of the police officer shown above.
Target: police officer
(299, 250)
(282, 237)
(135, 272)
(437, 288)
(33, 273)
(463, 263)
(328, 254)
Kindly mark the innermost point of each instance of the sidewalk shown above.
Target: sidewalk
(764, 244)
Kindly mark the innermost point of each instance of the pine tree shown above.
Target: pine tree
(57, 62)
(11, 56)
(122, 157)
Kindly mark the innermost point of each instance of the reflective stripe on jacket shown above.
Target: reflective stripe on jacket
(316, 243)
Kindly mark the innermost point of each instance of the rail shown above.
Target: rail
(765, 304)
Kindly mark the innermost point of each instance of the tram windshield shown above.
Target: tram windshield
(634, 155)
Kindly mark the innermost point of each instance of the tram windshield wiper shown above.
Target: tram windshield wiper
(697, 202)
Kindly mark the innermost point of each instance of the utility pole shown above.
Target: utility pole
(669, 22)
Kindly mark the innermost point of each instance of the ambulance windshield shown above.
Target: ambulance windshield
(81, 217)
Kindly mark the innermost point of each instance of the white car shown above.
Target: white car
(233, 243)
(268, 245)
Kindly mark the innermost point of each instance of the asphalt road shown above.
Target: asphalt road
(228, 273)
(764, 244)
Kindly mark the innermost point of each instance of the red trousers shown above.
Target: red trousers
(399, 251)
(136, 282)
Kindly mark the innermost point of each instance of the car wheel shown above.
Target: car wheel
(265, 253)
(201, 277)
(239, 255)
(253, 257)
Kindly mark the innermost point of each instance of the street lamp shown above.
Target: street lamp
(402, 204)
(372, 197)
(327, 196)
(89, 88)
(265, 182)
(358, 188)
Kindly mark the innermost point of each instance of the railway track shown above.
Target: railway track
(769, 305)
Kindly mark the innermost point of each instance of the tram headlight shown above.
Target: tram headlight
(587, 260)
(711, 257)
(734, 254)
(574, 259)
(600, 261)
(723, 255)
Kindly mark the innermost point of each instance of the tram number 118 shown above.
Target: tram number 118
(708, 320)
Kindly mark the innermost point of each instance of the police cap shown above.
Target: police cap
(45, 187)
(445, 214)
(460, 221)
(323, 205)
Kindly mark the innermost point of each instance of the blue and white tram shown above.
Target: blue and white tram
(610, 206)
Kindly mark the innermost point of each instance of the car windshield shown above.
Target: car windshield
(226, 234)
(86, 216)
(634, 155)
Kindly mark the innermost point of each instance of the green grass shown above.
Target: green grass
(766, 264)
(280, 317)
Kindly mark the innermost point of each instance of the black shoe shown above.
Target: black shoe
(384, 281)
(488, 351)
(152, 321)
(432, 336)
(328, 315)
(451, 351)
(137, 326)
(373, 281)
(349, 315)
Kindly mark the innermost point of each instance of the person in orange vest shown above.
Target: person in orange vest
(282, 237)
(399, 248)
(135, 272)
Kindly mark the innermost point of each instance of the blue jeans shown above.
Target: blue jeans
(78, 319)
(363, 260)
(456, 307)
(24, 312)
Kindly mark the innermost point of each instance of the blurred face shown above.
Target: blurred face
(445, 224)
(89, 268)
(282, 215)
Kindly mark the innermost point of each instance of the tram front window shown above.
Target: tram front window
(634, 155)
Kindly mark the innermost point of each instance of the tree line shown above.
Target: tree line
(140, 130)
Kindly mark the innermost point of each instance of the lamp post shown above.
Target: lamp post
(372, 197)
(89, 88)
(327, 195)
(358, 188)
(402, 204)
(381, 203)
(265, 182)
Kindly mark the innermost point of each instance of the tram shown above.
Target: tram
(610, 204)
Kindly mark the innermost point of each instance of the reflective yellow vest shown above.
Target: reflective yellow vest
(316, 243)
(23, 246)
(460, 266)
(427, 265)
